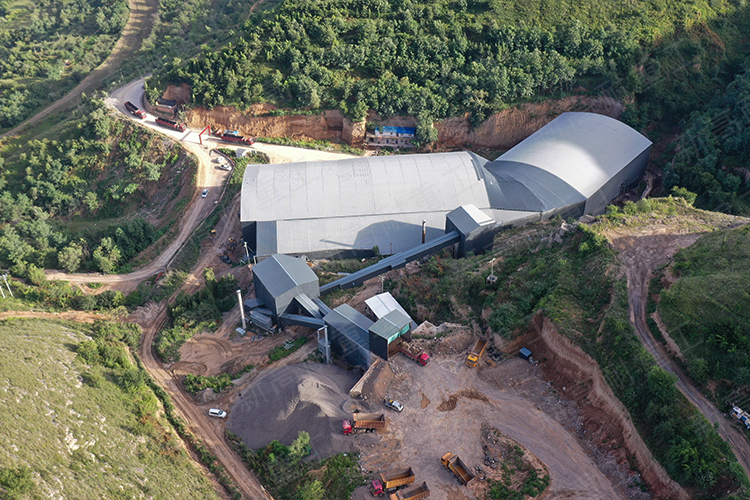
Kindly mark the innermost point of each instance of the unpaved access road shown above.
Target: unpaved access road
(139, 25)
(642, 252)
(209, 176)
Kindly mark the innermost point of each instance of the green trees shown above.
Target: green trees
(432, 59)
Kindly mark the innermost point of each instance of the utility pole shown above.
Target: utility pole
(242, 309)
(5, 278)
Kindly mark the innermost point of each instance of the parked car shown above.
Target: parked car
(226, 260)
(393, 404)
(215, 412)
(205, 193)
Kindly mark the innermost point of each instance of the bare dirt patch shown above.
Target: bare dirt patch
(452, 401)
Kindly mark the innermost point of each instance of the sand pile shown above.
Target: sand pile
(283, 401)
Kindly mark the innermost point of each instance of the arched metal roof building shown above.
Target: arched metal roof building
(576, 164)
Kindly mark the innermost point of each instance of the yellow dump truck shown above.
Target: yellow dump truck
(392, 481)
(473, 358)
(457, 467)
(417, 493)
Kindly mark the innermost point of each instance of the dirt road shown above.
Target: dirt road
(209, 176)
(139, 25)
(643, 251)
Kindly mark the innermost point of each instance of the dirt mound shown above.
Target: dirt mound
(304, 397)
(606, 417)
(450, 403)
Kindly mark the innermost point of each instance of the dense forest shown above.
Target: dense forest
(713, 154)
(441, 58)
(48, 46)
(54, 192)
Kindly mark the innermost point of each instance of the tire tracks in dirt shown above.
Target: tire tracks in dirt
(642, 251)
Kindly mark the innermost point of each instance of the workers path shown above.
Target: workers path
(642, 253)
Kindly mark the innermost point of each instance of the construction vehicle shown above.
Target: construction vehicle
(367, 422)
(457, 467)
(413, 352)
(134, 110)
(416, 493)
(234, 136)
(741, 415)
(164, 122)
(393, 481)
(473, 358)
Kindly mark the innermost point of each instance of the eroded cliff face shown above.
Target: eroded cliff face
(607, 420)
(500, 131)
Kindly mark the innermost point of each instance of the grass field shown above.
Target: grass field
(75, 429)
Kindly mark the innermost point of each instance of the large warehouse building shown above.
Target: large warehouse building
(574, 165)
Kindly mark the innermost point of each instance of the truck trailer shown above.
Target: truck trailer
(367, 422)
(234, 136)
(164, 122)
(392, 481)
(457, 467)
(473, 358)
(417, 493)
(133, 109)
(413, 352)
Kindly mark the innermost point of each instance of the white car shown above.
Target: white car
(215, 412)
(205, 193)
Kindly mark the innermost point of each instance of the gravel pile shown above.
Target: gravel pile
(282, 401)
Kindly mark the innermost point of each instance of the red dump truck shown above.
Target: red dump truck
(457, 467)
(133, 109)
(417, 493)
(413, 352)
(164, 122)
(367, 422)
(473, 358)
(392, 481)
(234, 136)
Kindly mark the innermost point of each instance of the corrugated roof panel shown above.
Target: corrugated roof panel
(583, 149)
(281, 273)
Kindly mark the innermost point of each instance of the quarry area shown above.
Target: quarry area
(504, 410)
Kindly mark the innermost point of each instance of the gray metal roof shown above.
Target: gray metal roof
(584, 150)
(281, 273)
(390, 324)
(359, 203)
(351, 323)
(383, 303)
(467, 218)
(520, 186)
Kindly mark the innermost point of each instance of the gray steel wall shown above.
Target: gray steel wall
(352, 352)
(631, 174)
(379, 346)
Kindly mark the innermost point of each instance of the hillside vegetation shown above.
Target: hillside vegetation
(442, 58)
(705, 310)
(48, 46)
(575, 283)
(79, 202)
(84, 425)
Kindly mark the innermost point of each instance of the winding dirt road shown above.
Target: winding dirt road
(139, 25)
(642, 252)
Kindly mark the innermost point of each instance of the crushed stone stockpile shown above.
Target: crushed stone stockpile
(307, 397)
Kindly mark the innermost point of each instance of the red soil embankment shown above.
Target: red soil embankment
(502, 130)
(607, 420)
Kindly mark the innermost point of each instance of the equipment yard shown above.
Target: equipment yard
(505, 412)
